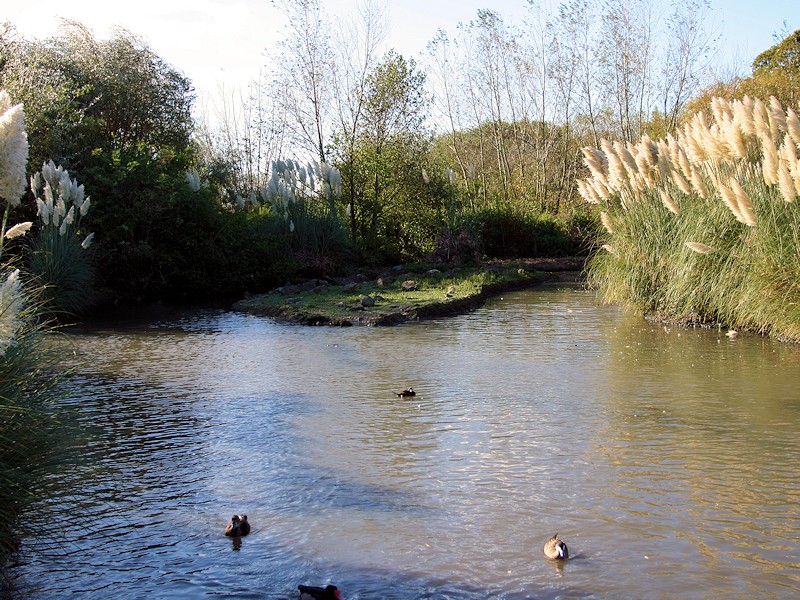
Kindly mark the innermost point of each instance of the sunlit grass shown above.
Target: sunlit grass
(432, 293)
(704, 227)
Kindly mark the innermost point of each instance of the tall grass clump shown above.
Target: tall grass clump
(304, 196)
(704, 226)
(24, 390)
(59, 258)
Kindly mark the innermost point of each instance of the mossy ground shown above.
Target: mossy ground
(435, 293)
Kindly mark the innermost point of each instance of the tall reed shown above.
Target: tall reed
(59, 256)
(704, 226)
(28, 360)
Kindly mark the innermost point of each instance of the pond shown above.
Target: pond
(666, 458)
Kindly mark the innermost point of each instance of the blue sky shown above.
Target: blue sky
(217, 42)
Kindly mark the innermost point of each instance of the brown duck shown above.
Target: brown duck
(556, 549)
(234, 528)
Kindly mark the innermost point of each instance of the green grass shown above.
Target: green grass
(751, 280)
(435, 294)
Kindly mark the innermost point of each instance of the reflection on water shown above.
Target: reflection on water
(666, 458)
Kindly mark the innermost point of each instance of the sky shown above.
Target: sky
(220, 44)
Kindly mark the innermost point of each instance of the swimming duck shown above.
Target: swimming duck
(312, 592)
(244, 526)
(406, 393)
(234, 528)
(555, 548)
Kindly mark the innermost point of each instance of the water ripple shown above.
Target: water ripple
(667, 459)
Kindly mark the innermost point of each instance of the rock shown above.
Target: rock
(409, 285)
(288, 289)
(350, 287)
(320, 288)
(309, 285)
(384, 281)
(434, 272)
(367, 301)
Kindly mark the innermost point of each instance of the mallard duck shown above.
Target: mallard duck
(405, 393)
(555, 548)
(244, 526)
(312, 592)
(234, 528)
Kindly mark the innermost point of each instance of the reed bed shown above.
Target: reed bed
(704, 226)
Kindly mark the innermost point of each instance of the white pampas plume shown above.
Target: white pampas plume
(13, 150)
(699, 248)
(744, 202)
(607, 223)
(18, 230)
(777, 118)
(793, 126)
(668, 202)
(786, 183)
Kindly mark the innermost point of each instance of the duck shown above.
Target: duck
(406, 393)
(555, 548)
(244, 526)
(312, 592)
(234, 528)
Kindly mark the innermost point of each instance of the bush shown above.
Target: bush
(507, 232)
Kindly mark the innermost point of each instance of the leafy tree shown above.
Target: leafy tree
(776, 72)
(389, 205)
(82, 93)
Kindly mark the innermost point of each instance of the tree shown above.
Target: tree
(389, 151)
(776, 72)
(83, 93)
(305, 68)
(686, 53)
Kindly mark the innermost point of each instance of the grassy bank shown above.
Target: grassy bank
(703, 227)
(393, 296)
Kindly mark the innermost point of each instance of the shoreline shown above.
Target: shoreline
(403, 294)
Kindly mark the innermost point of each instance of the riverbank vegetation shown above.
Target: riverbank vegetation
(349, 157)
(28, 373)
(406, 293)
(703, 227)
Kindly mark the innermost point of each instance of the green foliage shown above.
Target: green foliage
(304, 199)
(62, 267)
(776, 72)
(59, 255)
(28, 379)
(509, 233)
(384, 194)
(749, 279)
(162, 240)
(81, 93)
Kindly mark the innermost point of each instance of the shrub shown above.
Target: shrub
(508, 232)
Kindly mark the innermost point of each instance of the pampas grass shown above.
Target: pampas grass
(705, 223)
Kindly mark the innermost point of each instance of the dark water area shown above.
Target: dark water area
(666, 458)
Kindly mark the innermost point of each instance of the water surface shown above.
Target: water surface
(667, 459)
